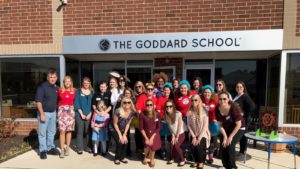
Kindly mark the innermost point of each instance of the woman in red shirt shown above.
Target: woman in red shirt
(182, 98)
(210, 102)
(167, 94)
(141, 100)
(66, 115)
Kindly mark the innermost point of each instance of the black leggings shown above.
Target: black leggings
(120, 148)
(199, 151)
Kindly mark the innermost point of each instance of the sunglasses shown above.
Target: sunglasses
(169, 106)
(138, 86)
(150, 89)
(220, 99)
(126, 102)
(219, 84)
(194, 100)
(148, 105)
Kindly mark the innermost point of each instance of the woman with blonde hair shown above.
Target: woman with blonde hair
(122, 119)
(139, 88)
(66, 114)
(197, 122)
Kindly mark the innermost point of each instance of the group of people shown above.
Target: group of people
(195, 115)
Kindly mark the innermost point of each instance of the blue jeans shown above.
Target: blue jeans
(47, 131)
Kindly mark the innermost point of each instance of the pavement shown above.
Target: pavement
(256, 159)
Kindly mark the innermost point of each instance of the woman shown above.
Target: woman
(243, 100)
(210, 102)
(175, 84)
(66, 115)
(160, 79)
(232, 126)
(167, 94)
(83, 107)
(141, 100)
(221, 87)
(139, 88)
(115, 92)
(122, 120)
(150, 125)
(197, 122)
(177, 128)
(182, 98)
(197, 85)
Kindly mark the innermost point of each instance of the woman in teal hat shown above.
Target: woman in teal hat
(182, 97)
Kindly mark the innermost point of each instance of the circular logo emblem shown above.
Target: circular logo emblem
(104, 44)
(185, 101)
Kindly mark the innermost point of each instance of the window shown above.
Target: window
(292, 89)
(19, 80)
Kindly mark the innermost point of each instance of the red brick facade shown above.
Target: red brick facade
(177, 62)
(295, 131)
(25, 22)
(298, 19)
(92, 17)
(25, 127)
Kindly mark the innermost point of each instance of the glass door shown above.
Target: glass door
(205, 72)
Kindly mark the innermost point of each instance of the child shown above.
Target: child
(99, 121)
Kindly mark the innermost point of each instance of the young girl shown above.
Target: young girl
(98, 123)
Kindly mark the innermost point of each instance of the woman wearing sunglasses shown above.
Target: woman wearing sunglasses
(232, 126)
(121, 120)
(141, 100)
(177, 128)
(197, 122)
(221, 87)
(150, 125)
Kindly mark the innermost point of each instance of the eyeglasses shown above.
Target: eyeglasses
(126, 102)
(150, 89)
(148, 105)
(169, 106)
(220, 99)
(219, 84)
(194, 100)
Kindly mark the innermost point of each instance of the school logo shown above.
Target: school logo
(185, 101)
(104, 44)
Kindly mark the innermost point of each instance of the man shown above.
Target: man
(46, 101)
(104, 95)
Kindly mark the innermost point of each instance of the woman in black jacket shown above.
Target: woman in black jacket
(247, 106)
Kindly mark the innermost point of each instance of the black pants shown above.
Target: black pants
(138, 137)
(228, 153)
(243, 144)
(199, 151)
(120, 148)
(83, 128)
(128, 152)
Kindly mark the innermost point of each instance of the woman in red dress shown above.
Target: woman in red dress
(66, 114)
(150, 125)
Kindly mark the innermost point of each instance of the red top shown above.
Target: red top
(66, 98)
(211, 107)
(192, 92)
(161, 106)
(182, 104)
(141, 102)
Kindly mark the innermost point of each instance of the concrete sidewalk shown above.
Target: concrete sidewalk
(256, 158)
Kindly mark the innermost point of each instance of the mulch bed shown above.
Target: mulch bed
(16, 145)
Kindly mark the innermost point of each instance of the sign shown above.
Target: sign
(251, 40)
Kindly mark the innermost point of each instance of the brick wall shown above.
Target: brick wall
(25, 22)
(166, 61)
(25, 127)
(295, 131)
(93, 17)
(298, 19)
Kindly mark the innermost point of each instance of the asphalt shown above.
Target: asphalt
(256, 158)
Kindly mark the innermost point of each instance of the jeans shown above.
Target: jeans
(83, 128)
(46, 131)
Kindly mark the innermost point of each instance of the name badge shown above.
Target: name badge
(228, 117)
(156, 119)
(98, 98)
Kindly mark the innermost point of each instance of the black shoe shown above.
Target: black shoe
(43, 155)
(79, 152)
(95, 154)
(53, 151)
(124, 161)
(210, 161)
(104, 154)
(89, 150)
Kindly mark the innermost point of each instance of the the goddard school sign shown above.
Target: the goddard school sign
(175, 42)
